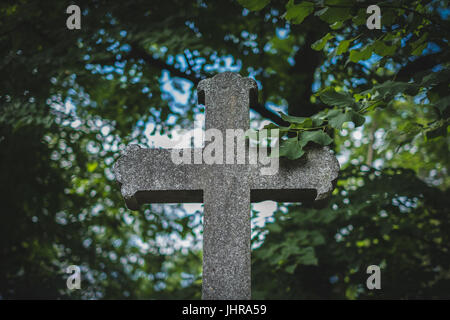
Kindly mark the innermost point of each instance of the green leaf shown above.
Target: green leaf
(337, 118)
(409, 127)
(418, 46)
(381, 49)
(273, 227)
(320, 44)
(356, 118)
(337, 25)
(92, 166)
(389, 16)
(291, 148)
(321, 11)
(437, 132)
(360, 18)
(332, 15)
(301, 122)
(343, 46)
(317, 136)
(308, 256)
(357, 55)
(308, 123)
(442, 104)
(292, 119)
(418, 51)
(333, 98)
(296, 13)
(389, 89)
(271, 126)
(317, 119)
(435, 78)
(290, 269)
(254, 5)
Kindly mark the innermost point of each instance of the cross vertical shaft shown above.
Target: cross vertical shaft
(226, 224)
(226, 239)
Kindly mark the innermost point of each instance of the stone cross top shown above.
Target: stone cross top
(149, 176)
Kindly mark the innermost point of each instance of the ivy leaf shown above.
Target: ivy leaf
(320, 44)
(291, 148)
(333, 98)
(254, 5)
(296, 13)
(317, 136)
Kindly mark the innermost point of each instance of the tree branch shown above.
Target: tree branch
(139, 53)
(268, 114)
(420, 64)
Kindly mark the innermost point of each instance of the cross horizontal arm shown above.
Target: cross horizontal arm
(149, 176)
(310, 179)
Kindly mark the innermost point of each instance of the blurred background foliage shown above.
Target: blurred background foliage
(70, 100)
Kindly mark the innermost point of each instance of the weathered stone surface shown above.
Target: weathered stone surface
(149, 176)
(226, 214)
(310, 178)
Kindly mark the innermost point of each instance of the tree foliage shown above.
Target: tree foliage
(70, 100)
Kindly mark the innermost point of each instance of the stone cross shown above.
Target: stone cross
(149, 176)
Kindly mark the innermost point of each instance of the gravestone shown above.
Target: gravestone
(149, 176)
